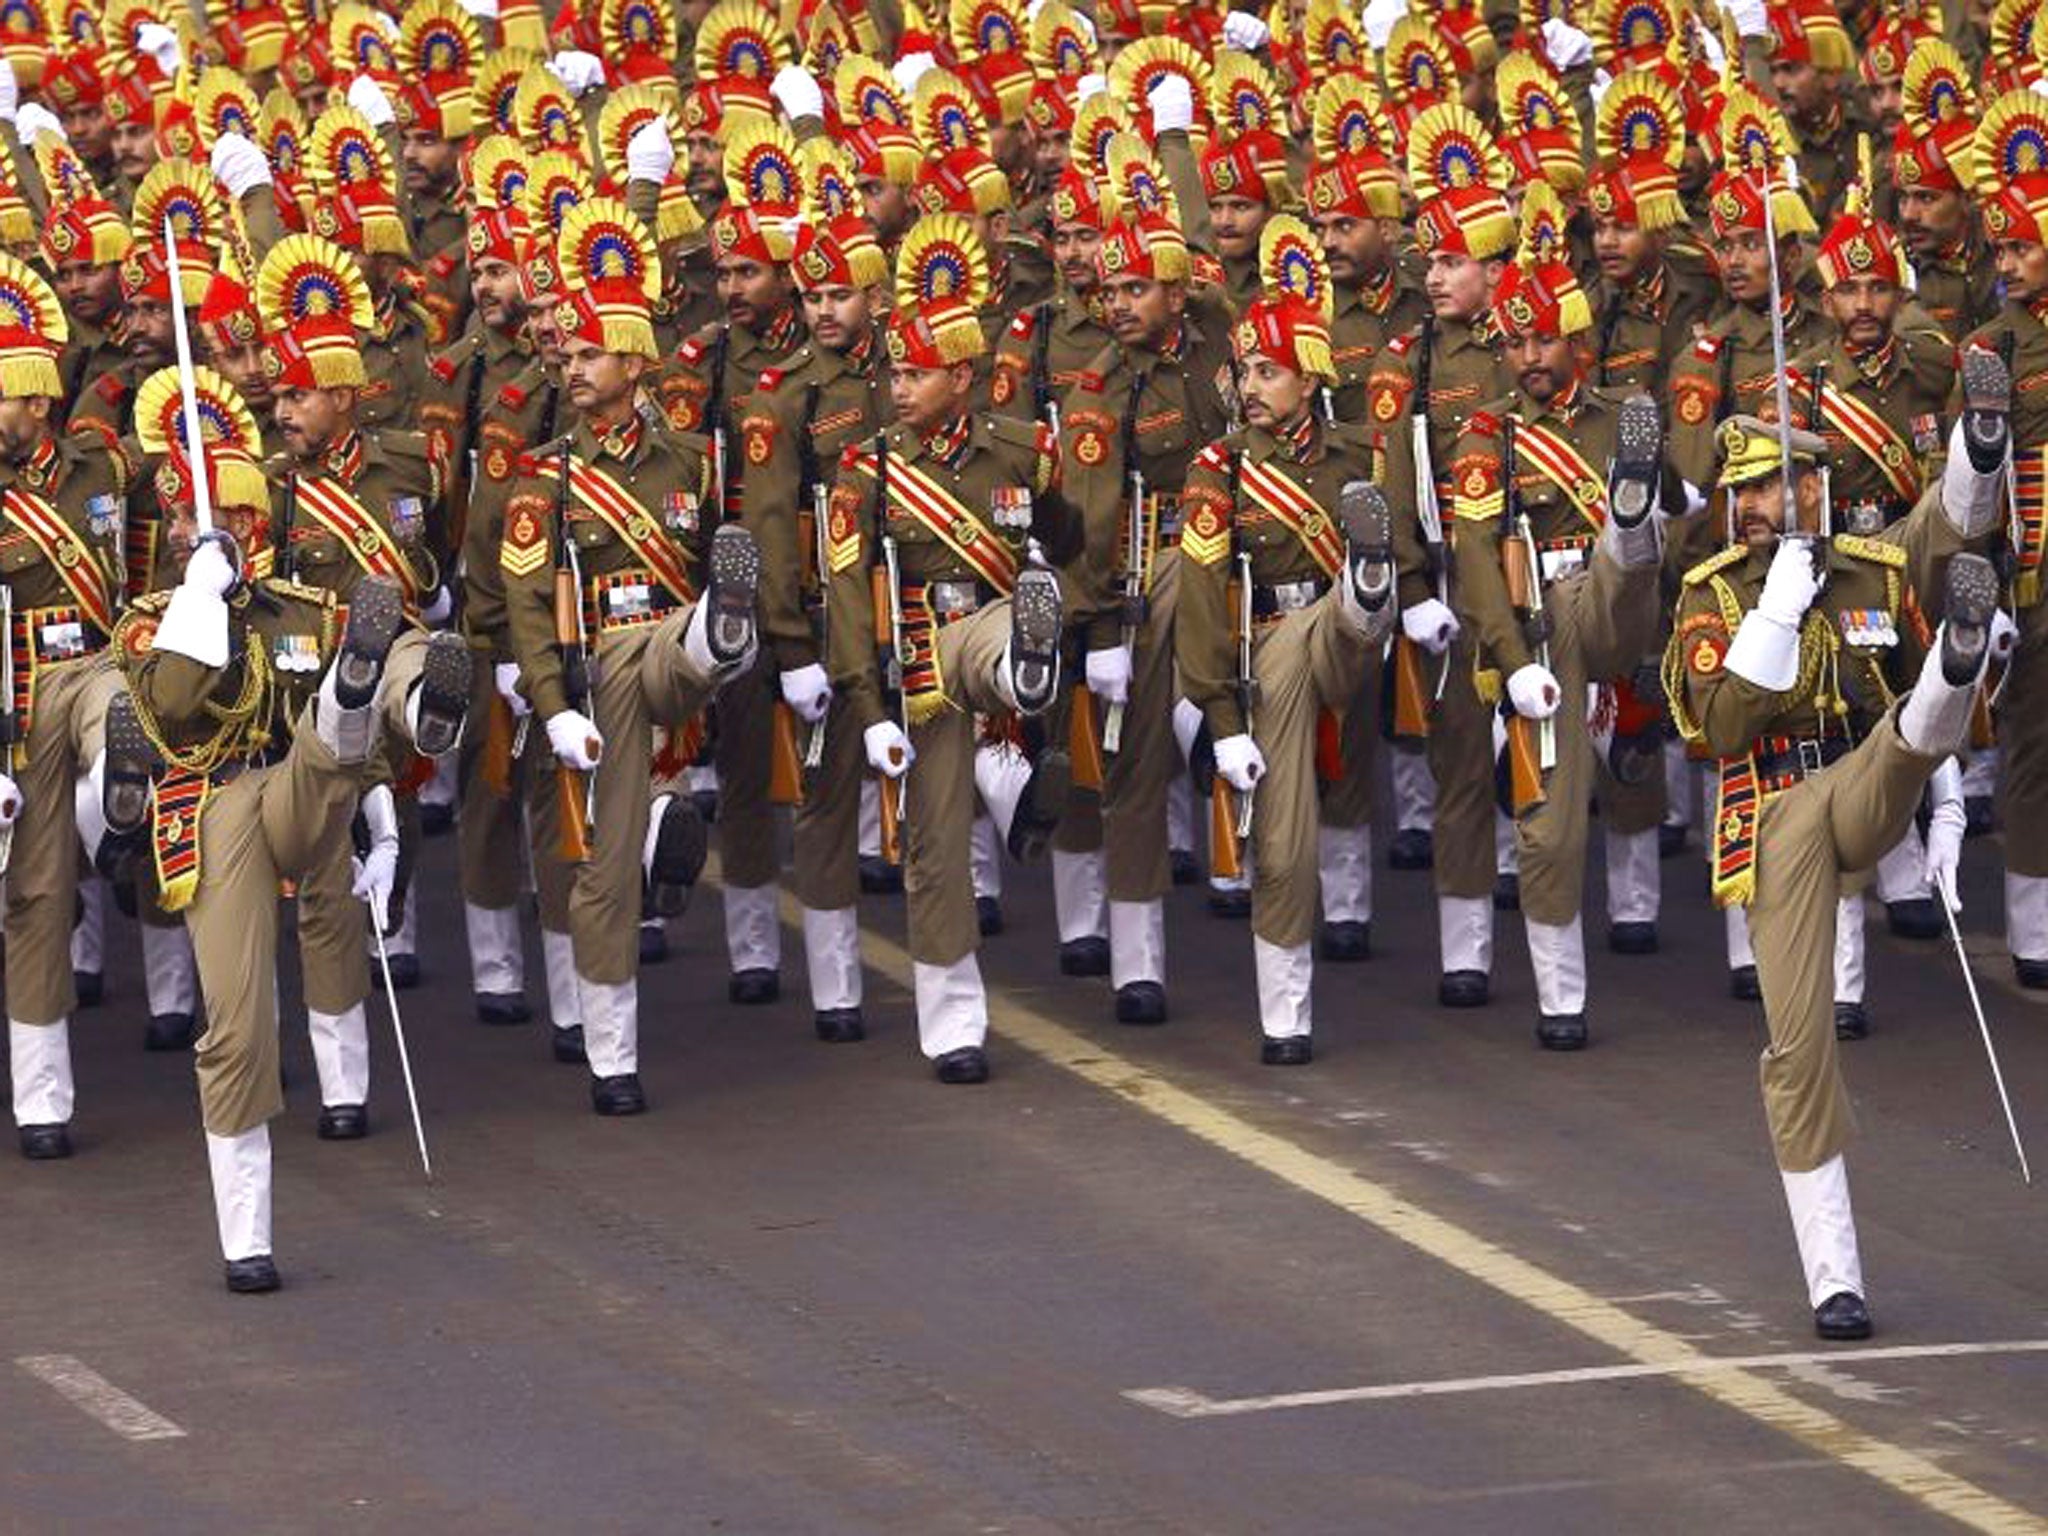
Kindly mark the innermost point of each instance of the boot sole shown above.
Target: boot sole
(679, 851)
(735, 578)
(1369, 530)
(1967, 607)
(131, 766)
(1638, 461)
(376, 613)
(1987, 398)
(444, 695)
(1035, 616)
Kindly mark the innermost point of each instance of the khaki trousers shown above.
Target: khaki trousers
(66, 732)
(1309, 661)
(1460, 752)
(1347, 803)
(2023, 744)
(284, 822)
(1134, 781)
(644, 679)
(1836, 824)
(826, 832)
(487, 826)
(1603, 617)
(938, 879)
(747, 856)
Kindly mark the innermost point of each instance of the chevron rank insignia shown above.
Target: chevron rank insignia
(524, 549)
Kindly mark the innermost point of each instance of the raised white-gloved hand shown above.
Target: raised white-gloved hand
(438, 607)
(1172, 102)
(505, 677)
(578, 71)
(650, 153)
(1601, 82)
(33, 120)
(808, 691)
(575, 740)
(1752, 17)
(1430, 624)
(1791, 585)
(2004, 635)
(10, 96)
(911, 68)
(239, 165)
(1241, 763)
(1109, 674)
(1245, 32)
(368, 98)
(10, 801)
(1089, 85)
(889, 750)
(1533, 691)
(796, 91)
(482, 10)
(1695, 499)
(1567, 46)
(209, 570)
(161, 44)
(1945, 849)
(376, 872)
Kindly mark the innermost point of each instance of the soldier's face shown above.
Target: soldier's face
(1624, 251)
(24, 421)
(1357, 249)
(89, 293)
(427, 160)
(600, 383)
(1008, 147)
(1863, 309)
(1888, 105)
(248, 527)
(499, 291)
(546, 334)
(89, 129)
(1275, 396)
(1745, 258)
(1458, 286)
(752, 292)
(1545, 366)
(1049, 152)
(1758, 509)
(1140, 311)
(705, 177)
(1931, 220)
(888, 207)
(146, 331)
(1074, 249)
(1237, 222)
(314, 420)
(2023, 268)
(838, 317)
(925, 399)
(243, 367)
(134, 149)
(1803, 89)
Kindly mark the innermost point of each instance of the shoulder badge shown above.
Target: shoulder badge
(690, 351)
(524, 549)
(1401, 346)
(1713, 565)
(443, 367)
(842, 528)
(1876, 551)
(770, 380)
(758, 433)
(1023, 323)
(1205, 536)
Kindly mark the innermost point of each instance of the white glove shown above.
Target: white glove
(1791, 585)
(1240, 762)
(808, 691)
(575, 740)
(2004, 635)
(1945, 849)
(1567, 46)
(889, 751)
(1695, 499)
(33, 120)
(439, 607)
(578, 72)
(368, 98)
(161, 44)
(210, 571)
(1751, 17)
(376, 872)
(650, 153)
(1089, 85)
(1109, 674)
(796, 91)
(1172, 102)
(911, 68)
(239, 165)
(1244, 32)
(10, 801)
(1533, 691)
(1430, 624)
(482, 10)
(505, 676)
(1710, 47)
(10, 95)
(1601, 81)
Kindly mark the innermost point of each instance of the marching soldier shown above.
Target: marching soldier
(1955, 277)
(1557, 549)
(932, 519)
(1047, 346)
(1812, 61)
(1788, 682)
(609, 542)
(1285, 510)
(793, 429)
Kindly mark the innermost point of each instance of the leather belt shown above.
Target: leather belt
(950, 600)
(51, 635)
(1784, 761)
(625, 599)
(1283, 598)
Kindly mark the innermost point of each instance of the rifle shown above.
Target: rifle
(1043, 404)
(1827, 473)
(1426, 506)
(10, 722)
(714, 413)
(1526, 770)
(1247, 682)
(895, 793)
(821, 538)
(575, 792)
(1137, 559)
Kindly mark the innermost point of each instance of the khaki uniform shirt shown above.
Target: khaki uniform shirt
(1366, 320)
(1960, 291)
(396, 480)
(1907, 391)
(395, 353)
(1641, 331)
(1044, 351)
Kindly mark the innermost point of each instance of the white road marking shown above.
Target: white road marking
(86, 1389)
(1186, 1403)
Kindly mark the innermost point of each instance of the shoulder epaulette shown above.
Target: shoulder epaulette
(1483, 424)
(1023, 323)
(1707, 348)
(1009, 429)
(1713, 565)
(1401, 346)
(1214, 458)
(691, 350)
(410, 445)
(111, 388)
(512, 397)
(443, 365)
(770, 380)
(1877, 551)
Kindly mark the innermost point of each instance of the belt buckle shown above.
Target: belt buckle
(629, 600)
(1809, 757)
(61, 641)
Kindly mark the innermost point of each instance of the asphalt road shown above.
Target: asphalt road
(814, 1291)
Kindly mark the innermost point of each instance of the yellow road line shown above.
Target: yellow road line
(1449, 1244)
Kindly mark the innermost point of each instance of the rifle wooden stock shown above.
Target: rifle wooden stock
(1525, 770)
(496, 762)
(1411, 692)
(572, 841)
(785, 772)
(1515, 572)
(1084, 747)
(892, 825)
(1226, 855)
(884, 605)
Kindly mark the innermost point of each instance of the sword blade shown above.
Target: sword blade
(1946, 892)
(412, 1098)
